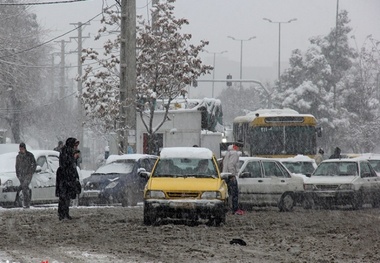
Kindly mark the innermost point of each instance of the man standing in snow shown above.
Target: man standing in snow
(25, 168)
(230, 165)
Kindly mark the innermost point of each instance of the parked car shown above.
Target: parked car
(267, 182)
(374, 160)
(299, 164)
(42, 185)
(178, 189)
(350, 181)
(117, 181)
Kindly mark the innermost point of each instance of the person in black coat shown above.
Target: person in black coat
(336, 154)
(67, 184)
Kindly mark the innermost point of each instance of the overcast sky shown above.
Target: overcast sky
(214, 20)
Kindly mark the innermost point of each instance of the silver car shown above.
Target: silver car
(42, 186)
(266, 182)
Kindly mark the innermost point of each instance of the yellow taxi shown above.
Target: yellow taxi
(185, 184)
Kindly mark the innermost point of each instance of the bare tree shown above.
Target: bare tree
(166, 63)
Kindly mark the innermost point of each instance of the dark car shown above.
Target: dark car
(117, 181)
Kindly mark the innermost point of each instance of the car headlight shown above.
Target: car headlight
(211, 195)
(155, 194)
(111, 185)
(346, 187)
(308, 187)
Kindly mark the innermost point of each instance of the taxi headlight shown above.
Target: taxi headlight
(155, 194)
(211, 195)
(346, 187)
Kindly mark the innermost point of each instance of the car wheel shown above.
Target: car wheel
(149, 216)
(286, 203)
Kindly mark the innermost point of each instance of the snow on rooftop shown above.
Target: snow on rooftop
(268, 113)
(186, 152)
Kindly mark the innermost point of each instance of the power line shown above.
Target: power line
(44, 43)
(45, 3)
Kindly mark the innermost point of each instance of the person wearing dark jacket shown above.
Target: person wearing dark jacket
(336, 154)
(25, 168)
(59, 147)
(67, 184)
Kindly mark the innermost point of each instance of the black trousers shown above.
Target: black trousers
(233, 191)
(63, 207)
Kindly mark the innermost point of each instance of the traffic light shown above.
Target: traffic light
(229, 83)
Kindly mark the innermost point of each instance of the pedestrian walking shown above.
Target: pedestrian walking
(67, 184)
(230, 165)
(59, 147)
(25, 168)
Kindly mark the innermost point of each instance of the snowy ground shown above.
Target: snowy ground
(116, 234)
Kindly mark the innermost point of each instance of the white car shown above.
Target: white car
(299, 164)
(374, 160)
(266, 182)
(43, 182)
(342, 182)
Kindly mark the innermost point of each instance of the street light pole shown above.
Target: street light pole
(213, 71)
(241, 53)
(279, 43)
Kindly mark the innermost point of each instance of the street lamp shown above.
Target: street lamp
(213, 71)
(279, 42)
(241, 53)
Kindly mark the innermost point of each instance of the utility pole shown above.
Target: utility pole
(127, 124)
(79, 80)
(62, 74)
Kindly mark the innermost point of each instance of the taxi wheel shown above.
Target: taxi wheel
(286, 203)
(150, 217)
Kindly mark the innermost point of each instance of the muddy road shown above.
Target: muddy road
(116, 234)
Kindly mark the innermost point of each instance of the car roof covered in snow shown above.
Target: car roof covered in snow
(132, 156)
(297, 158)
(186, 152)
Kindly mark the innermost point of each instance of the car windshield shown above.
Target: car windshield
(119, 167)
(300, 167)
(336, 169)
(185, 167)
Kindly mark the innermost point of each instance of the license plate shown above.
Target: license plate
(91, 194)
(183, 205)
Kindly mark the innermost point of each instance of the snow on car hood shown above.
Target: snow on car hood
(182, 183)
(330, 179)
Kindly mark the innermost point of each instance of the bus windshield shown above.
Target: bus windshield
(287, 140)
